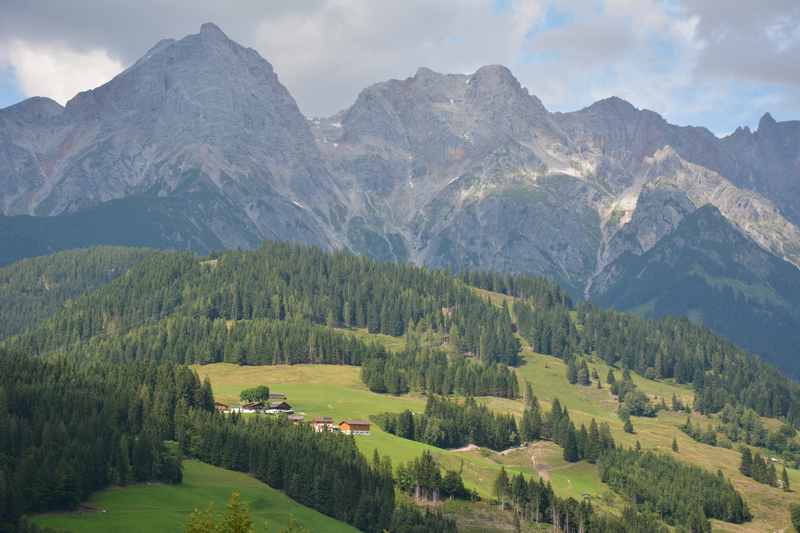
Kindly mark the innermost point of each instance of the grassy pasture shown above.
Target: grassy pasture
(160, 507)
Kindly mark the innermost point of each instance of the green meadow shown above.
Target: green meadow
(159, 507)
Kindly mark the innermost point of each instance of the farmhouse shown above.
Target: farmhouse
(251, 407)
(296, 419)
(354, 427)
(221, 407)
(323, 423)
(277, 408)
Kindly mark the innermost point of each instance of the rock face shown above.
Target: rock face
(200, 145)
(200, 115)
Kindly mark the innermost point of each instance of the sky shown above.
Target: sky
(714, 63)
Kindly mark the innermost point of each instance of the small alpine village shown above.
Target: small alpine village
(260, 400)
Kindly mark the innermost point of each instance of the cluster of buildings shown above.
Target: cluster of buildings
(277, 405)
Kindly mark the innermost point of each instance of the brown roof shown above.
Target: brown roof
(355, 422)
(278, 405)
(296, 417)
(323, 420)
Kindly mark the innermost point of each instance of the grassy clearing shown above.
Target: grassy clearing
(393, 344)
(159, 507)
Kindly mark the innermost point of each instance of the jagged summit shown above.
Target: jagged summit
(612, 104)
(212, 30)
(766, 121)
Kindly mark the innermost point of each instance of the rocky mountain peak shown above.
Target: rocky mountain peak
(33, 110)
(613, 105)
(209, 30)
(766, 122)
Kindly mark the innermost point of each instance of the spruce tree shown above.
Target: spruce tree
(571, 453)
(794, 513)
(746, 466)
(628, 427)
(785, 480)
(674, 444)
(572, 371)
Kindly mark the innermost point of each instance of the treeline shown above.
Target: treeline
(541, 292)
(555, 425)
(633, 402)
(432, 371)
(535, 502)
(255, 342)
(324, 471)
(681, 495)
(762, 469)
(422, 478)
(67, 431)
(449, 424)
(34, 289)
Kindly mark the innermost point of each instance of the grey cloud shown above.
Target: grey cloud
(752, 40)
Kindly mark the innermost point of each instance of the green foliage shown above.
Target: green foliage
(236, 519)
(794, 513)
(324, 471)
(422, 478)
(93, 427)
(410, 519)
(682, 495)
(449, 424)
(34, 289)
(255, 394)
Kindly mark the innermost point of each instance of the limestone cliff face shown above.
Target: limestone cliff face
(199, 114)
(200, 139)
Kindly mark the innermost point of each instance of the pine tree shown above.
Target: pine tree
(501, 486)
(583, 374)
(571, 453)
(785, 480)
(674, 444)
(794, 513)
(628, 427)
(572, 371)
(746, 466)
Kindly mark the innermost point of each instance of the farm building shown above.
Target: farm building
(276, 396)
(323, 423)
(277, 408)
(296, 419)
(221, 407)
(354, 427)
(250, 407)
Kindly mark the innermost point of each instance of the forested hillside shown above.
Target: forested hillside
(279, 303)
(33, 289)
(286, 304)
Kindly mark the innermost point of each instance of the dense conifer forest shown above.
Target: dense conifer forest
(682, 495)
(68, 430)
(34, 289)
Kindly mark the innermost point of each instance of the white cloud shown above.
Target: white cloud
(58, 72)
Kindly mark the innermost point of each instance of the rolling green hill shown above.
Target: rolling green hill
(160, 507)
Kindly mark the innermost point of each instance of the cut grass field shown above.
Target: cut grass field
(159, 507)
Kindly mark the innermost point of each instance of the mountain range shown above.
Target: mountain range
(199, 146)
